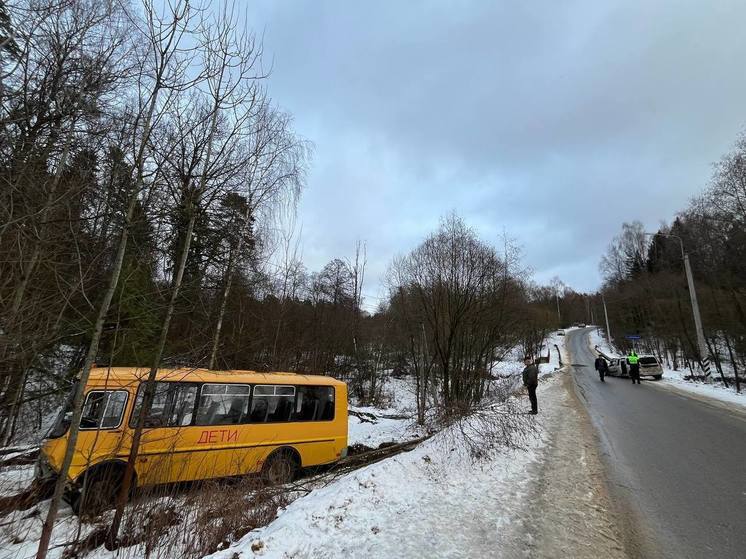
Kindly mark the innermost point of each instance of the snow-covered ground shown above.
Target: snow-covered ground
(14, 479)
(19, 531)
(598, 340)
(435, 501)
(676, 381)
(512, 363)
(432, 501)
(394, 423)
(716, 391)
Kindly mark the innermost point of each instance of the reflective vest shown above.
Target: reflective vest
(632, 359)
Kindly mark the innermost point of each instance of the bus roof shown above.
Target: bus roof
(127, 375)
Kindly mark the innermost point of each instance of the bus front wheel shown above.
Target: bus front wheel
(281, 467)
(98, 491)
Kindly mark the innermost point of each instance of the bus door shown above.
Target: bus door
(163, 455)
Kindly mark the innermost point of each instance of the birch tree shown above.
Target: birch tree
(164, 70)
(201, 153)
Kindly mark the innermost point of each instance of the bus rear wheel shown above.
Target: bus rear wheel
(281, 467)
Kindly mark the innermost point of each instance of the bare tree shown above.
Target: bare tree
(57, 98)
(465, 297)
(273, 173)
(164, 68)
(201, 151)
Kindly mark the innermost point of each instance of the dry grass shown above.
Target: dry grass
(201, 520)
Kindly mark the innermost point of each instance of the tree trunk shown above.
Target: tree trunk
(221, 311)
(72, 438)
(122, 497)
(733, 362)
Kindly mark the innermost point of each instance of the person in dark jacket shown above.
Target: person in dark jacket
(531, 382)
(601, 367)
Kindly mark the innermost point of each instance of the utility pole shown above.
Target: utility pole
(703, 353)
(606, 315)
(559, 316)
(701, 344)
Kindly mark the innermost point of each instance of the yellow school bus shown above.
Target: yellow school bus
(202, 425)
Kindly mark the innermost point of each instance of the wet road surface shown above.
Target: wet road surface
(676, 466)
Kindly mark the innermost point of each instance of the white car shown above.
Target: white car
(649, 367)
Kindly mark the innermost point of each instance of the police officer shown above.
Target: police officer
(634, 366)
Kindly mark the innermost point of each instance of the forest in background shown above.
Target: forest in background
(646, 289)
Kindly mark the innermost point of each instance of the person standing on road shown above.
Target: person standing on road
(634, 366)
(531, 382)
(601, 367)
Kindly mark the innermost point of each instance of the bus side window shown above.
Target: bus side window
(173, 405)
(223, 404)
(314, 403)
(272, 403)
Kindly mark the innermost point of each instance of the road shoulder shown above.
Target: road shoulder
(570, 505)
(732, 407)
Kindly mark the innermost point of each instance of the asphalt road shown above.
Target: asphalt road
(676, 466)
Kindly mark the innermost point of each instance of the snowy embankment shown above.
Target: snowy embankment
(675, 380)
(512, 364)
(15, 478)
(372, 426)
(437, 500)
(433, 501)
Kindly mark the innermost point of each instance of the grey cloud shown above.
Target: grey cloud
(555, 121)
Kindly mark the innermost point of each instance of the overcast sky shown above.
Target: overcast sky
(552, 121)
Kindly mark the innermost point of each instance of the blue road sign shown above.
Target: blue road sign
(633, 336)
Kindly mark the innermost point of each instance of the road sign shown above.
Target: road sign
(633, 336)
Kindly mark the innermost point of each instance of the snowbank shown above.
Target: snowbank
(599, 340)
(14, 479)
(434, 501)
(512, 364)
(675, 380)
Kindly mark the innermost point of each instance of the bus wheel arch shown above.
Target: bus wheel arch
(96, 489)
(281, 466)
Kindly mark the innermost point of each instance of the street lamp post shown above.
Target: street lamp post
(702, 345)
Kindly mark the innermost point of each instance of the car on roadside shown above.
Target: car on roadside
(649, 367)
(560, 332)
(615, 368)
